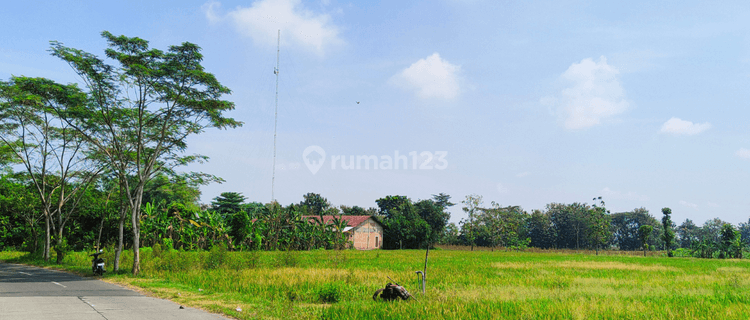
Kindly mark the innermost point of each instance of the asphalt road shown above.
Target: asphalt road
(34, 293)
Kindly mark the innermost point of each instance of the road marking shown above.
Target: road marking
(59, 284)
(28, 274)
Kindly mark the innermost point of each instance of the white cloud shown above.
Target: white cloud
(432, 77)
(608, 193)
(299, 26)
(678, 126)
(594, 94)
(209, 8)
(688, 204)
(743, 153)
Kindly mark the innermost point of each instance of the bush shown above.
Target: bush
(330, 293)
(216, 257)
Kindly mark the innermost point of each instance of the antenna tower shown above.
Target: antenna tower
(275, 114)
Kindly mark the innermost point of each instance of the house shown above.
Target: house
(365, 232)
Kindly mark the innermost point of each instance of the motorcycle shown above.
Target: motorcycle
(97, 264)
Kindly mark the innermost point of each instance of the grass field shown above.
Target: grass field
(460, 284)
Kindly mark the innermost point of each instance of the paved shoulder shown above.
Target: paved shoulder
(36, 293)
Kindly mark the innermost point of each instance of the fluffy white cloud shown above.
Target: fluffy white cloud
(594, 93)
(678, 126)
(743, 153)
(432, 77)
(262, 20)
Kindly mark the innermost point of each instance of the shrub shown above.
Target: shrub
(216, 256)
(329, 293)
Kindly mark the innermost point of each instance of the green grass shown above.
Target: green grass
(460, 284)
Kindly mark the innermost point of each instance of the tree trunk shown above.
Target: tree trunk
(47, 237)
(59, 246)
(120, 237)
(99, 237)
(135, 214)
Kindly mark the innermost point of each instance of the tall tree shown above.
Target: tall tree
(541, 231)
(228, 203)
(472, 207)
(687, 233)
(744, 229)
(434, 212)
(53, 154)
(403, 226)
(625, 227)
(315, 203)
(644, 232)
(141, 112)
(598, 224)
(668, 235)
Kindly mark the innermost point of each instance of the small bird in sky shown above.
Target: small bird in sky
(357, 102)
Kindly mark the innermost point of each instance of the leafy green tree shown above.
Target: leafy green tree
(442, 200)
(451, 235)
(711, 231)
(744, 229)
(570, 223)
(141, 112)
(357, 211)
(19, 213)
(435, 214)
(315, 203)
(668, 235)
(403, 226)
(53, 154)
(169, 187)
(598, 225)
(644, 232)
(502, 226)
(625, 228)
(228, 203)
(472, 205)
(687, 234)
(541, 231)
(731, 244)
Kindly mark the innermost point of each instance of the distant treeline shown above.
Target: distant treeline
(173, 217)
(584, 226)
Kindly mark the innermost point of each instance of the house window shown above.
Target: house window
(377, 244)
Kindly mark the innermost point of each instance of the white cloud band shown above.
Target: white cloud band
(299, 26)
(678, 126)
(432, 77)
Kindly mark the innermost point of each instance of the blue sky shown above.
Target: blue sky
(525, 103)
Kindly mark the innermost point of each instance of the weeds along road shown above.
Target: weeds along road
(36, 293)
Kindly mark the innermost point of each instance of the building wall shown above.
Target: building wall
(367, 236)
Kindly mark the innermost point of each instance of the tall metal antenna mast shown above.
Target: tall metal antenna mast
(276, 113)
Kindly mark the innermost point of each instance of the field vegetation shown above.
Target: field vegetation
(338, 284)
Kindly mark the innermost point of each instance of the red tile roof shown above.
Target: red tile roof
(351, 221)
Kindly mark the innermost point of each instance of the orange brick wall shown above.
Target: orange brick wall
(367, 236)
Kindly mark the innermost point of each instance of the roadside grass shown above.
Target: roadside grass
(460, 284)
